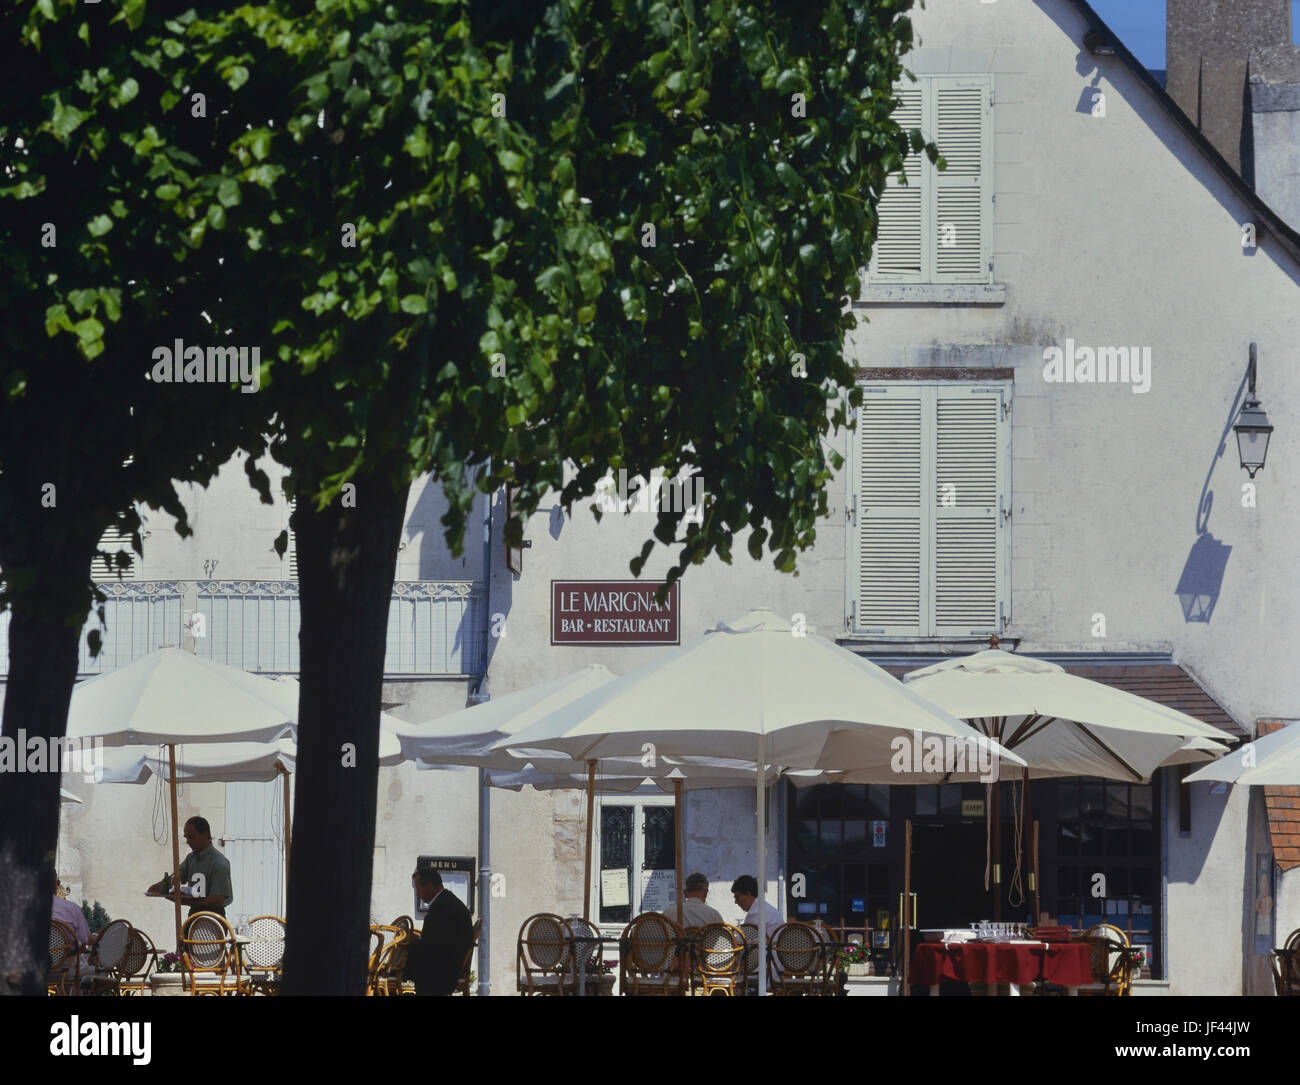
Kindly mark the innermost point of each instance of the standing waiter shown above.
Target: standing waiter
(205, 871)
(435, 960)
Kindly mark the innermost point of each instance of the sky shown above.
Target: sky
(1140, 25)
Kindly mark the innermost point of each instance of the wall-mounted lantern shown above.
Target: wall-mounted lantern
(1252, 427)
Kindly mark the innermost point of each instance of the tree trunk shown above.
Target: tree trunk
(43, 647)
(347, 558)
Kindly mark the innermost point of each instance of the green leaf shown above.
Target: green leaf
(99, 225)
(414, 303)
(228, 192)
(127, 90)
(259, 143)
(167, 192)
(172, 48)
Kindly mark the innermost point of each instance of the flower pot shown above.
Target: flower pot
(862, 968)
(166, 983)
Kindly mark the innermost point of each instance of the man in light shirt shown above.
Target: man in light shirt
(695, 912)
(744, 891)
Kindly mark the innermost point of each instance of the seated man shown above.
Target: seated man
(744, 891)
(435, 959)
(695, 912)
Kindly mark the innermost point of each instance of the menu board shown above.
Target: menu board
(614, 888)
(658, 890)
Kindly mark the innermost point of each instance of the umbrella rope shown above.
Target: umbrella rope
(1016, 887)
(161, 823)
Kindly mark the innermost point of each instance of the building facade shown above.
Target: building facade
(1052, 341)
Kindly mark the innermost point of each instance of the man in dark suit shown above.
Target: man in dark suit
(436, 959)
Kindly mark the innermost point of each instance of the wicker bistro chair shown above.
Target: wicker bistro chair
(209, 957)
(377, 939)
(750, 931)
(1285, 963)
(139, 958)
(107, 949)
(391, 966)
(653, 960)
(542, 956)
(263, 955)
(405, 922)
(1111, 961)
(720, 957)
(64, 976)
(798, 961)
(462, 984)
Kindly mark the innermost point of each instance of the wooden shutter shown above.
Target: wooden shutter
(967, 501)
(899, 253)
(112, 541)
(891, 512)
(962, 204)
(292, 551)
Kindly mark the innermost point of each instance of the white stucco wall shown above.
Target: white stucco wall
(1109, 231)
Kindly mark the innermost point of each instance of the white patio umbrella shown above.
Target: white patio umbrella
(171, 697)
(67, 796)
(752, 689)
(1061, 724)
(232, 762)
(472, 736)
(1273, 759)
(1196, 751)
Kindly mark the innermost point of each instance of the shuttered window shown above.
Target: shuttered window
(934, 226)
(111, 542)
(930, 547)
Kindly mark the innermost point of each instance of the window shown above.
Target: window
(934, 226)
(1102, 862)
(111, 542)
(638, 858)
(929, 545)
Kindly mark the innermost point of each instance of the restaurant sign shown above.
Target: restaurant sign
(613, 612)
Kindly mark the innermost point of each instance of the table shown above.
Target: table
(1067, 964)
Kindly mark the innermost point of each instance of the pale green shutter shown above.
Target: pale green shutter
(891, 535)
(969, 458)
(899, 253)
(962, 193)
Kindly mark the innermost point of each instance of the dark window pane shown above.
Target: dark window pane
(855, 834)
(950, 800)
(830, 834)
(1090, 799)
(1092, 838)
(927, 801)
(855, 800)
(1117, 882)
(1140, 799)
(1067, 797)
(807, 800)
(660, 840)
(1117, 803)
(832, 801)
(878, 801)
(1067, 837)
(616, 854)
(1141, 882)
(1143, 840)
(1117, 842)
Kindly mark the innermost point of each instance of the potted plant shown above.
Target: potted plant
(167, 978)
(856, 959)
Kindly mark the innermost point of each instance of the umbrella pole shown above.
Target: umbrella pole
(997, 852)
(1033, 875)
(677, 848)
(176, 846)
(760, 775)
(591, 812)
(906, 913)
(285, 773)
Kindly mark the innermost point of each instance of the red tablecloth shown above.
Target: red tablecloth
(1063, 963)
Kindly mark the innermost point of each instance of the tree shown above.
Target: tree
(96, 165)
(485, 245)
